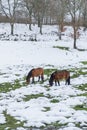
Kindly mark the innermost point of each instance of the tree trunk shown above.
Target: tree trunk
(41, 29)
(60, 38)
(62, 26)
(38, 21)
(12, 28)
(74, 46)
(30, 27)
(30, 22)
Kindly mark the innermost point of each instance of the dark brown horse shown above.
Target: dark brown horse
(37, 72)
(60, 75)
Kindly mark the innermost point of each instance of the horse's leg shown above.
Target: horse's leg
(68, 80)
(42, 77)
(58, 83)
(38, 78)
(32, 79)
(55, 83)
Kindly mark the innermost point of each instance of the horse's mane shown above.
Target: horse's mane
(29, 74)
(52, 75)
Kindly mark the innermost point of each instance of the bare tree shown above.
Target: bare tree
(84, 14)
(74, 8)
(50, 11)
(60, 14)
(9, 9)
(39, 11)
(29, 4)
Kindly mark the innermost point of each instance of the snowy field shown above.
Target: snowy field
(39, 106)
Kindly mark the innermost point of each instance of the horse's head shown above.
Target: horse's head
(52, 77)
(28, 79)
(51, 83)
(51, 80)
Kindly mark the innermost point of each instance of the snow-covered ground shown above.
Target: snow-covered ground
(18, 57)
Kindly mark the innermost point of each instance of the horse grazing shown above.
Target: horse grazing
(59, 75)
(37, 72)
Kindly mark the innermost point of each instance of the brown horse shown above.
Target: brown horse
(60, 75)
(37, 72)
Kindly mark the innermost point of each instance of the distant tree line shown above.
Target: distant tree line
(40, 12)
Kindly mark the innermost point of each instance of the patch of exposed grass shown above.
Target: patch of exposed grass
(77, 72)
(81, 49)
(17, 75)
(55, 125)
(83, 94)
(58, 125)
(80, 72)
(23, 83)
(79, 125)
(54, 101)
(11, 122)
(50, 65)
(80, 107)
(47, 89)
(49, 96)
(33, 96)
(49, 71)
(62, 48)
(82, 87)
(46, 109)
(7, 86)
(84, 62)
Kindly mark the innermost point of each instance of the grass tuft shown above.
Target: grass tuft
(80, 107)
(11, 122)
(62, 48)
(33, 96)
